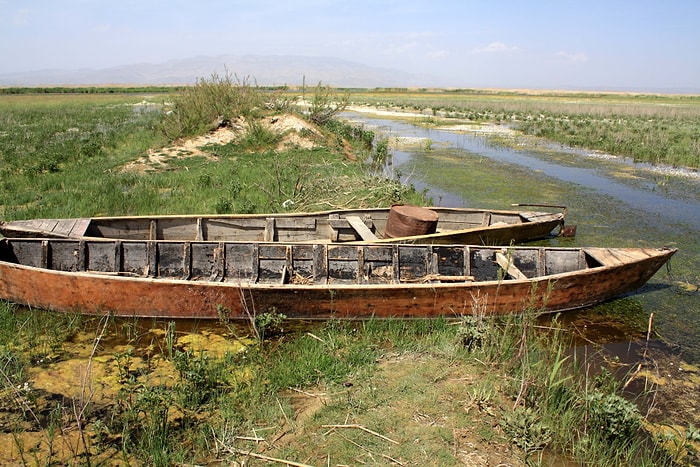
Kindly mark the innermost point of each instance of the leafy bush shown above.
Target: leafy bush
(612, 417)
(381, 151)
(472, 332)
(269, 324)
(351, 132)
(259, 138)
(210, 104)
(526, 429)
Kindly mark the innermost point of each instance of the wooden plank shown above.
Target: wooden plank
(117, 256)
(199, 237)
(151, 269)
(153, 230)
(361, 276)
(46, 225)
(542, 262)
(187, 260)
(44, 254)
(255, 259)
(607, 257)
(338, 223)
(238, 222)
(219, 270)
(63, 227)
(288, 265)
(333, 233)
(467, 261)
(509, 267)
(433, 261)
(241, 262)
(320, 264)
(361, 228)
(269, 235)
(295, 223)
(82, 265)
(134, 257)
(396, 271)
(79, 228)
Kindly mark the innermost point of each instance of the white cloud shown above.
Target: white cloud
(437, 54)
(494, 47)
(579, 57)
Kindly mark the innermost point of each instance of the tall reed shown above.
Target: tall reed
(650, 128)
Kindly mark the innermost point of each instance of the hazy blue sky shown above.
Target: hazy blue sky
(467, 43)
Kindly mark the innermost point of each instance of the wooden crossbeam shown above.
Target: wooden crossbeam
(509, 267)
(361, 228)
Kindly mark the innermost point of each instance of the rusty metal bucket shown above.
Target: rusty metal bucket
(405, 220)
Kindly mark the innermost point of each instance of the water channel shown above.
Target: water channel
(613, 202)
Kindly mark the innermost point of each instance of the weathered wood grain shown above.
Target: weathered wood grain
(455, 225)
(193, 279)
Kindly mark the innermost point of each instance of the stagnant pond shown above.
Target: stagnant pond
(612, 201)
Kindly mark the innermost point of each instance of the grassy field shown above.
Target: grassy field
(90, 391)
(67, 156)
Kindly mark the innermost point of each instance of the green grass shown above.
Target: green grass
(412, 391)
(58, 153)
(660, 129)
(64, 156)
(432, 386)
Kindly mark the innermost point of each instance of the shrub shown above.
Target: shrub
(612, 417)
(472, 332)
(526, 429)
(210, 104)
(326, 104)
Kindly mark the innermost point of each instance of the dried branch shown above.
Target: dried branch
(360, 427)
(266, 458)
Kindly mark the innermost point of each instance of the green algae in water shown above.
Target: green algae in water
(601, 220)
(481, 181)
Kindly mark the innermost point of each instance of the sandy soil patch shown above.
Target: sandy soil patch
(296, 132)
(483, 128)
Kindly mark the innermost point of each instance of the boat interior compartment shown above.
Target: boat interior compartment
(297, 263)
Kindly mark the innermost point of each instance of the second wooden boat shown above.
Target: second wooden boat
(176, 279)
(398, 224)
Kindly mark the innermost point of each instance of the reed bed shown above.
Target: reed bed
(657, 129)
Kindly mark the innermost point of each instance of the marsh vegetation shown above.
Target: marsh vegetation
(91, 391)
(661, 129)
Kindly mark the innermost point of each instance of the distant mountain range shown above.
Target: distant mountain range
(265, 70)
(261, 70)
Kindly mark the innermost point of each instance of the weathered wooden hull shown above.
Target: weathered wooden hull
(317, 281)
(455, 226)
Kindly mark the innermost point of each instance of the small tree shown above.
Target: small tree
(326, 104)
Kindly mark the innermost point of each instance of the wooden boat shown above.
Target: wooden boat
(398, 224)
(183, 279)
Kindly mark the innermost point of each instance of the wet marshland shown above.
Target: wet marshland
(612, 201)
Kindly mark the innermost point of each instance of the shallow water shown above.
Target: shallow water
(613, 203)
(646, 195)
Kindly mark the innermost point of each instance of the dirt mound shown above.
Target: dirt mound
(295, 132)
